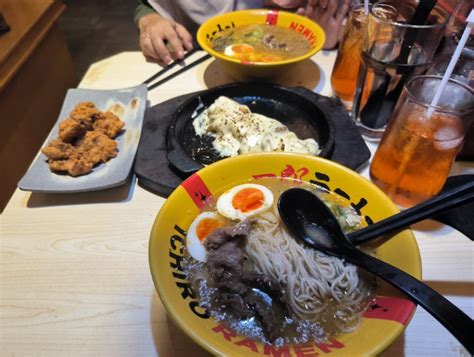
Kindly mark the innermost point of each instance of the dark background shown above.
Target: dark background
(95, 30)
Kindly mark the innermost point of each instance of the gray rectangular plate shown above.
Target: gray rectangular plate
(129, 104)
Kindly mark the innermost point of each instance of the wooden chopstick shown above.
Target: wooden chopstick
(177, 73)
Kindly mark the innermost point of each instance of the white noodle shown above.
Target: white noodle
(312, 280)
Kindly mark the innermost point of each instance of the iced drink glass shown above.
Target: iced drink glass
(346, 67)
(416, 152)
(392, 51)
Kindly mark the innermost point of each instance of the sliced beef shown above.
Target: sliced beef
(235, 304)
(267, 312)
(243, 293)
(229, 256)
(265, 284)
(223, 235)
(225, 256)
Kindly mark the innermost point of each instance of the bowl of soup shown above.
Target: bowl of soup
(234, 279)
(259, 43)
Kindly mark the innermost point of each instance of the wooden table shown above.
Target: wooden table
(74, 268)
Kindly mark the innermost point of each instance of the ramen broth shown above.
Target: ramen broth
(261, 43)
(331, 321)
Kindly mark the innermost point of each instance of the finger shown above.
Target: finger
(177, 50)
(149, 52)
(154, 60)
(301, 11)
(323, 3)
(185, 36)
(311, 8)
(287, 4)
(147, 47)
(332, 7)
(342, 11)
(320, 13)
(161, 50)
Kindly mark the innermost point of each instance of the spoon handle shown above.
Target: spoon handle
(430, 208)
(450, 316)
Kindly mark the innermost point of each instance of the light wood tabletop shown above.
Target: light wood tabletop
(74, 275)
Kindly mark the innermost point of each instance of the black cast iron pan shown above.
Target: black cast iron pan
(187, 152)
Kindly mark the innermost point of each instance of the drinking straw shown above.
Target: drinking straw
(421, 14)
(366, 7)
(452, 63)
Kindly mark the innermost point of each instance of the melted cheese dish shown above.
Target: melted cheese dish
(236, 130)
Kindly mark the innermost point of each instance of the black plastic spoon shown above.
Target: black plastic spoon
(310, 220)
(442, 203)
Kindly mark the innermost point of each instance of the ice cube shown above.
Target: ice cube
(442, 145)
(449, 133)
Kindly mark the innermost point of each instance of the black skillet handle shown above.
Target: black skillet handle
(444, 202)
(182, 163)
(451, 317)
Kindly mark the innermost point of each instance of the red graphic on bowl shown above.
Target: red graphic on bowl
(287, 172)
(197, 190)
(272, 18)
(305, 31)
(390, 308)
(247, 345)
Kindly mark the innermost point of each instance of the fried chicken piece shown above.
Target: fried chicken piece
(85, 140)
(80, 120)
(85, 111)
(58, 150)
(109, 124)
(96, 147)
(74, 166)
(71, 129)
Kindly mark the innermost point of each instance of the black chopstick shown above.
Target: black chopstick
(444, 202)
(171, 65)
(177, 73)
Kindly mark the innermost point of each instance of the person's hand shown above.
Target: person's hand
(162, 40)
(287, 4)
(329, 14)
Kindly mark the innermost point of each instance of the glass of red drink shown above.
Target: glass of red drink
(416, 152)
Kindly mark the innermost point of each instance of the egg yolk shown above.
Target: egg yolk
(241, 49)
(248, 199)
(206, 226)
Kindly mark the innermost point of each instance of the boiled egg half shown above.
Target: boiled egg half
(238, 50)
(203, 225)
(244, 201)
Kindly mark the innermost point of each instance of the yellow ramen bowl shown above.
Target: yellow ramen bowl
(237, 69)
(385, 318)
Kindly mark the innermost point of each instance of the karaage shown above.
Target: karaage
(85, 140)
(109, 124)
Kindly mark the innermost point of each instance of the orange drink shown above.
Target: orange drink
(346, 67)
(416, 153)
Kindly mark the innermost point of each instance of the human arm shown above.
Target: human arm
(161, 39)
(143, 8)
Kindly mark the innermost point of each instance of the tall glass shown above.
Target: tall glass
(392, 51)
(416, 153)
(346, 68)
